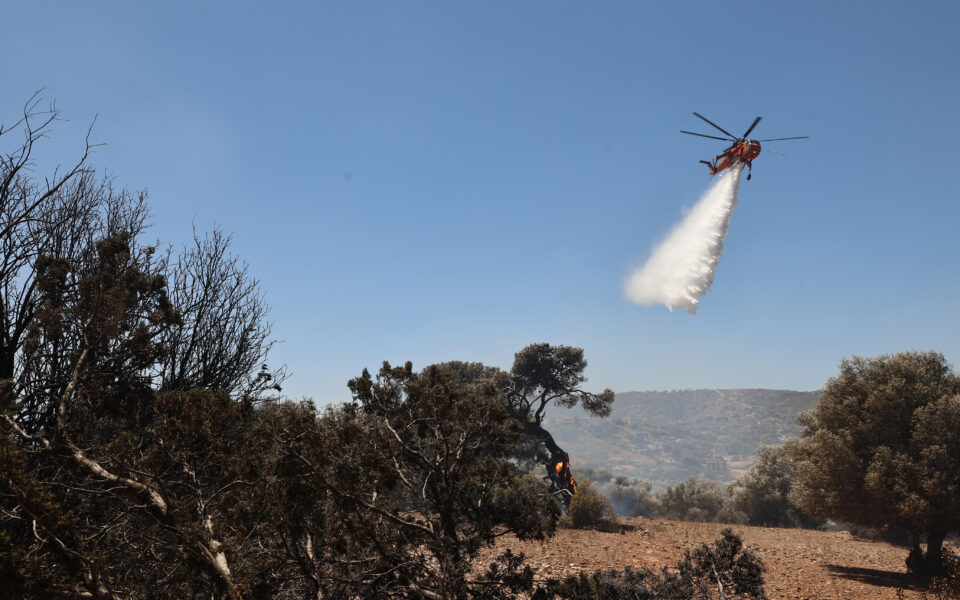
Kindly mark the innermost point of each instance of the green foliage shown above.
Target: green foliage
(554, 374)
(589, 509)
(882, 448)
(722, 570)
(762, 494)
(691, 500)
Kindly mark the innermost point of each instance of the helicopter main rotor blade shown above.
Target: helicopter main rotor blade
(799, 137)
(752, 126)
(712, 137)
(715, 125)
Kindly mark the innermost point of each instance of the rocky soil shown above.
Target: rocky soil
(801, 564)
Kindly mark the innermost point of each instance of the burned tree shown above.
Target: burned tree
(48, 232)
(108, 487)
(543, 375)
(223, 334)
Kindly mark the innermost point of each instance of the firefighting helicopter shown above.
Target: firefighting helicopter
(742, 149)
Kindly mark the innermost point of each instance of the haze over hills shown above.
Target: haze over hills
(666, 437)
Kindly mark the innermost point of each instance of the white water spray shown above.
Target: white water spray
(680, 269)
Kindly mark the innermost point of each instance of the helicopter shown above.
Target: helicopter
(742, 149)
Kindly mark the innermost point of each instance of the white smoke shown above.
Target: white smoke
(680, 269)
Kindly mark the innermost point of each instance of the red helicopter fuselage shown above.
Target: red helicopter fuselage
(744, 151)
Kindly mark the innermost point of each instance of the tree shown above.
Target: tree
(49, 228)
(222, 339)
(882, 448)
(108, 487)
(763, 492)
(223, 334)
(691, 500)
(121, 489)
(544, 375)
(397, 492)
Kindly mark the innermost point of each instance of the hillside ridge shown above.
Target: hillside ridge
(667, 436)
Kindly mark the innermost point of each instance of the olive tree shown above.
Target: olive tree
(882, 448)
(543, 375)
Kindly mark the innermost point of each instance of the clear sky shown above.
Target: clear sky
(433, 181)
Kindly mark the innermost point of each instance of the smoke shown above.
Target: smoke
(680, 269)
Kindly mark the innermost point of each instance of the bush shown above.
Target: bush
(630, 497)
(589, 509)
(700, 574)
(691, 500)
(726, 565)
(613, 585)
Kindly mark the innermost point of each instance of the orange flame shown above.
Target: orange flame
(565, 477)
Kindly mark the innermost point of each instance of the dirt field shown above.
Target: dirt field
(800, 563)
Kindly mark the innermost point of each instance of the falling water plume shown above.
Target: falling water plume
(680, 269)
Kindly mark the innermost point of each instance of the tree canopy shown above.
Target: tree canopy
(882, 448)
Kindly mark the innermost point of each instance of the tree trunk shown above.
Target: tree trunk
(564, 494)
(933, 559)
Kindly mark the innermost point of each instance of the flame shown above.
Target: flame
(565, 479)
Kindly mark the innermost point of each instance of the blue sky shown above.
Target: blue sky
(432, 181)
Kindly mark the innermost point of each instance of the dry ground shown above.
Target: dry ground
(800, 563)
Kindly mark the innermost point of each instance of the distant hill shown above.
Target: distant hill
(665, 437)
